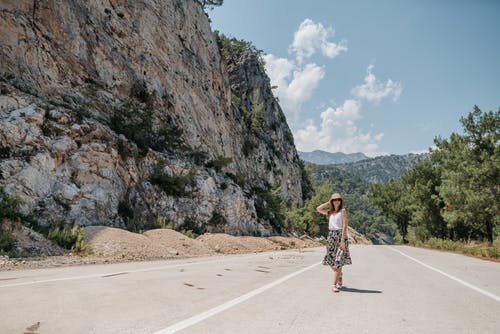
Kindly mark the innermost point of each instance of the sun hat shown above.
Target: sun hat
(335, 196)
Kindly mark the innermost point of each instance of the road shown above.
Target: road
(389, 289)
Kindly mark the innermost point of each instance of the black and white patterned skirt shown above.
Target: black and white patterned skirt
(334, 257)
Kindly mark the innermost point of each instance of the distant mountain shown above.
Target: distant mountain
(373, 170)
(326, 158)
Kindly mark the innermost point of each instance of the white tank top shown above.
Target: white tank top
(335, 221)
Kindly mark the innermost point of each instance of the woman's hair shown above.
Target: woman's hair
(332, 210)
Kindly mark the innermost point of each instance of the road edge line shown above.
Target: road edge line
(473, 287)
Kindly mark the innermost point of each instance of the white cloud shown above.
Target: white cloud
(296, 81)
(311, 37)
(374, 90)
(295, 84)
(338, 132)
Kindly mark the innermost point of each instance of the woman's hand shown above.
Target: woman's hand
(342, 245)
(321, 209)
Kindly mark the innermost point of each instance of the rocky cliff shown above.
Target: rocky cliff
(121, 112)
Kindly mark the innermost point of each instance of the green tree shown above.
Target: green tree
(422, 181)
(306, 219)
(393, 202)
(305, 180)
(470, 165)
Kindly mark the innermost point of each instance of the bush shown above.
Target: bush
(191, 228)
(7, 242)
(140, 91)
(161, 222)
(248, 146)
(8, 206)
(219, 163)
(232, 48)
(134, 119)
(268, 206)
(257, 122)
(69, 238)
(217, 219)
(172, 185)
(198, 157)
(239, 179)
(125, 210)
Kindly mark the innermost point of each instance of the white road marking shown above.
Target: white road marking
(218, 309)
(110, 274)
(473, 287)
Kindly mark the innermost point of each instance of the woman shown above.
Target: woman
(337, 250)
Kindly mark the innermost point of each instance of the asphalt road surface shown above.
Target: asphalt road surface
(389, 289)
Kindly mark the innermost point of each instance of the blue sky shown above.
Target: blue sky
(378, 77)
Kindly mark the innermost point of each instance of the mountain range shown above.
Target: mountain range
(326, 158)
(373, 170)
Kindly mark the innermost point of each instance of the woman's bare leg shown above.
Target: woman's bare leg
(336, 272)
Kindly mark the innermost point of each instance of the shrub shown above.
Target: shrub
(219, 163)
(248, 146)
(268, 206)
(161, 222)
(134, 225)
(190, 226)
(8, 206)
(232, 48)
(125, 210)
(173, 185)
(134, 119)
(7, 242)
(4, 152)
(239, 179)
(198, 157)
(134, 123)
(123, 150)
(69, 238)
(257, 123)
(139, 90)
(217, 219)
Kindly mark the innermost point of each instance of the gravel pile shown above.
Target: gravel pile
(117, 245)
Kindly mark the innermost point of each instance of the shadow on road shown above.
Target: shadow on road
(346, 289)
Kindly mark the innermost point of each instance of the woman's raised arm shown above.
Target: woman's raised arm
(321, 209)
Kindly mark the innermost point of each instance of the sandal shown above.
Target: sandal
(335, 289)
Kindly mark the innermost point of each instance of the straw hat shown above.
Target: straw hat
(335, 196)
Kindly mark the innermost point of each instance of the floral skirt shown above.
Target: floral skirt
(334, 257)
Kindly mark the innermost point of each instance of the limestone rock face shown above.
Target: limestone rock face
(98, 96)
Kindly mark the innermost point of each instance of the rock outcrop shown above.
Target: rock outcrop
(123, 112)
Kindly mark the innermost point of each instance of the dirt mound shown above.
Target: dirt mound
(177, 243)
(228, 244)
(116, 243)
(260, 244)
(224, 243)
(154, 244)
(293, 242)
